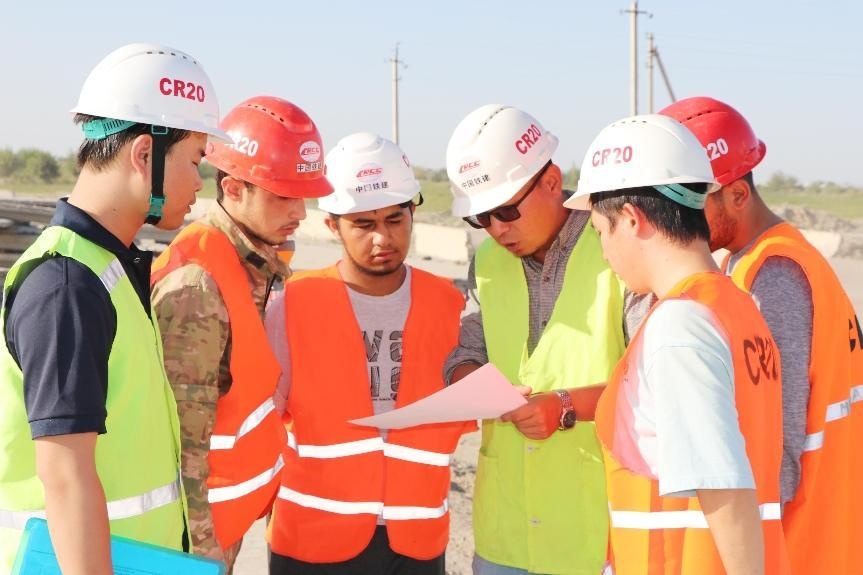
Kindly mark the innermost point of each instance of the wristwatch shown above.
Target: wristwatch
(567, 413)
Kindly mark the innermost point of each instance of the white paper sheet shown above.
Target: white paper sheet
(484, 394)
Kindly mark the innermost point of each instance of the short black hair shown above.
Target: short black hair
(99, 154)
(677, 222)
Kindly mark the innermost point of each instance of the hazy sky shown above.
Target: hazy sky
(794, 68)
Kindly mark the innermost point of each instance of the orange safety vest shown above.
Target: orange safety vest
(245, 457)
(824, 522)
(340, 477)
(653, 535)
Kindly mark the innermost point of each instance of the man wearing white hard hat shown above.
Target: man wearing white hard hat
(89, 428)
(358, 338)
(550, 315)
(691, 420)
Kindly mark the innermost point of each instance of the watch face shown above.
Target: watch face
(569, 419)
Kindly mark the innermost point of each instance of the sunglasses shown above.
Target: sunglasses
(507, 213)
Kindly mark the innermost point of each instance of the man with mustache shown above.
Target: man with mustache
(363, 336)
(210, 290)
(818, 335)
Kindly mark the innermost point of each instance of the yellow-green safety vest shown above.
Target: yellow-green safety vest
(138, 459)
(541, 505)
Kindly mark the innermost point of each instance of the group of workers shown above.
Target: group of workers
(680, 418)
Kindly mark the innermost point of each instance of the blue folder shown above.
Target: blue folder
(130, 557)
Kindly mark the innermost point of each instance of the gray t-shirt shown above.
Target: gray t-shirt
(782, 293)
(381, 320)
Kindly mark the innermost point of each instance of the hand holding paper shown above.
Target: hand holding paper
(484, 394)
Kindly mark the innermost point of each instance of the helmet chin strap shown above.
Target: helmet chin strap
(157, 194)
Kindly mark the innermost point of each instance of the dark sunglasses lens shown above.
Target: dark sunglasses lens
(478, 221)
(507, 213)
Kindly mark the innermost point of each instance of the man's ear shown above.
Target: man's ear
(141, 155)
(552, 179)
(736, 195)
(332, 223)
(233, 188)
(630, 218)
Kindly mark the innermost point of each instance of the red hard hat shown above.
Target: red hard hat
(276, 147)
(728, 138)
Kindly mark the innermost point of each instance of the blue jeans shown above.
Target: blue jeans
(483, 567)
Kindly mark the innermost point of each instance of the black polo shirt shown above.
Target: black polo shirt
(60, 327)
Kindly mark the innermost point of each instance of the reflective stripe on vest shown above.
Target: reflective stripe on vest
(220, 494)
(370, 445)
(112, 274)
(118, 509)
(688, 519)
(388, 512)
(527, 516)
(835, 411)
(252, 421)
(143, 498)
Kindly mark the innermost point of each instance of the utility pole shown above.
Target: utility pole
(395, 62)
(649, 72)
(634, 12)
(664, 74)
(653, 54)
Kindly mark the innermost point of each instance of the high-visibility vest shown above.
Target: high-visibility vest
(541, 505)
(653, 535)
(245, 457)
(138, 459)
(824, 522)
(339, 477)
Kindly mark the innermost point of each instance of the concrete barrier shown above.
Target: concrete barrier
(313, 228)
(457, 244)
(440, 242)
(825, 242)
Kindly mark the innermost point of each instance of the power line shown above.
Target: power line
(396, 62)
(634, 13)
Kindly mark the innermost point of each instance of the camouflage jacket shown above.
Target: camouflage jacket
(194, 323)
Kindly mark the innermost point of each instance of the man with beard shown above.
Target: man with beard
(363, 336)
(818, 334)
(210, 290)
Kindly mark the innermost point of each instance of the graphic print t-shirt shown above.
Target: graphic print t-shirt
(381, 320)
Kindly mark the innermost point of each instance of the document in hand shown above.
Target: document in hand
(36, 556)
(484, 394)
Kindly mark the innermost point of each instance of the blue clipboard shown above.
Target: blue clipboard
(36, 556)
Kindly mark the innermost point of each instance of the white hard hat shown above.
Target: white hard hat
(367, 172)
(644, 151)
(152, 84)
(492, 153)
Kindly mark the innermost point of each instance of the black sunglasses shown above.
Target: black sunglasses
(507, 213)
